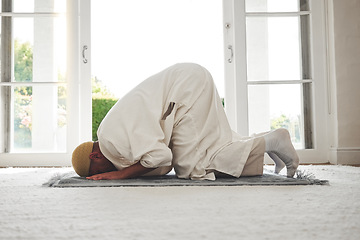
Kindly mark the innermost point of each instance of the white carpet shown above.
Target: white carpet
(30, 211)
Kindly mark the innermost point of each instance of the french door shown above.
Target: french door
(275, 71)
(45, 95)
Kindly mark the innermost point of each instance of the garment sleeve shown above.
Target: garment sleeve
(157, 158)
(147, 143)
(133, 128)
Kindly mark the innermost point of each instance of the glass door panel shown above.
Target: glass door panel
(272, 5)
(39, 49)
(277, 106)
(33, 84)
(39, 119)
(279, 77)
(273, 48)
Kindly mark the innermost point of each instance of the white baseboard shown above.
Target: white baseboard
(345, 156)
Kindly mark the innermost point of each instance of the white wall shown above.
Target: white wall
(344, 51)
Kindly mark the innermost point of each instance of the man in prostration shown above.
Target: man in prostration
(175, 119)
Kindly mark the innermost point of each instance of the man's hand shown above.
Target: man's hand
(107, 176)
(133, 171)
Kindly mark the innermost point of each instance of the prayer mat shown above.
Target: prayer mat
(268, 179)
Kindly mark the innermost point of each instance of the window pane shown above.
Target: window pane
(275, 106)
(152, 37)
(33, 49)
(39, 49)
(275, 5)
(22, 118)
(39, 6)
(273, 48)
(39, 119)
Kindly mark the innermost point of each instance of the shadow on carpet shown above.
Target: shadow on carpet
(71, 179)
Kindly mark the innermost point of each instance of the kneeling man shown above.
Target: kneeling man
(175, 119)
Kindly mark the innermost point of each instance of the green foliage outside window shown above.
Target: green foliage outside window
(102, 101)
(23, 67)
(100, 107)
(280, 122)
(291, 124)
(23, 61)
(23, 72)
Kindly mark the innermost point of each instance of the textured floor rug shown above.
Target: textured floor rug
(72, 180)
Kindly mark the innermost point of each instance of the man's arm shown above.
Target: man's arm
(135, 170)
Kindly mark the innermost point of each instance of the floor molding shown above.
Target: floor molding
(345, 155)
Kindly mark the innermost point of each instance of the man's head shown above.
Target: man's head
(80, 158)
(87, 160)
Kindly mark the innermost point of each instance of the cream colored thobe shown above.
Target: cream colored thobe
(174, 119)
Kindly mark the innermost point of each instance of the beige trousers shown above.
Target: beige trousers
(253, 166)
(255, 162)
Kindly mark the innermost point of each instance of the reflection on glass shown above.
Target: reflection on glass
(276, 106)
(39, 49)
(272, 5)
(273, 48)
(39, 120)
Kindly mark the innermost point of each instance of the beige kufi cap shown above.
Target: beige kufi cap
(81, 160)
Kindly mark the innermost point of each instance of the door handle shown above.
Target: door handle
(85, 47)
(231, 54)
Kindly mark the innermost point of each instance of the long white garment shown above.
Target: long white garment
(174, 118)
